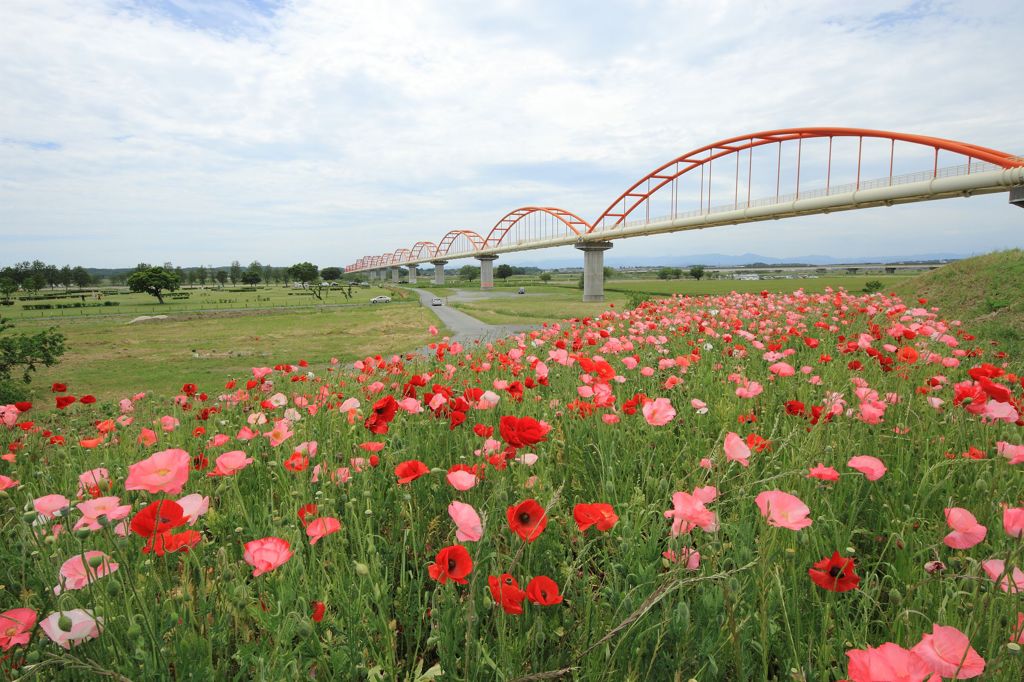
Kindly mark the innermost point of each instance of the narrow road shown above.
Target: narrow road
(465, 328)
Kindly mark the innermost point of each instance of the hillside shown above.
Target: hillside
(986, 292)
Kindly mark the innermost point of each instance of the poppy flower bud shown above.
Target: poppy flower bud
(134, 631)
(304, 628)
(96, 561)
(376, 591)
(83, 533)
(50, 540)
(362, 569)
(32, 656)
(29, 516)
(1013, 648)
(64, 623)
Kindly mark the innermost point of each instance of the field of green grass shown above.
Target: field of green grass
(110, 358)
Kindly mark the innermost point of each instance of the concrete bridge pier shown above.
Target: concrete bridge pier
(412, 274)
(371, 275)
(1017, 195)
(439, 271)
(487, 271)
(396, 274)
(593, 269)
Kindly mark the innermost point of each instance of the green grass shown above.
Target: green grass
(690, 287)
(198, 300)
(550, 305)
(111, 358)
(985, 292)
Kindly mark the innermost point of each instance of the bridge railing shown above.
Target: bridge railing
(888, 181)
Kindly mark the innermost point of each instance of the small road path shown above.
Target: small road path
(465, 328)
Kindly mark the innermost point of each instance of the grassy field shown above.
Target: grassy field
(110, 358)
(552, 302)
(986, 293)
(189, 300)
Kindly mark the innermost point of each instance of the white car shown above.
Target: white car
(436, 301)
(380, 299)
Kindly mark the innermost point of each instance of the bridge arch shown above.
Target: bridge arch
(464, 238)
(423, 250)
(638, 196)
(554, 222)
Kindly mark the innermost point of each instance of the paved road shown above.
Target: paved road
(464, 328)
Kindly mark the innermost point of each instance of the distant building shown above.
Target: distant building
(748, 276)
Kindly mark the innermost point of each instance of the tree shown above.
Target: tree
(504, 271)
(221, 277)
(304, 272)
(7, 287)
(25, 351)
(153, 282)
(545, 276)
(235, 272)
(66, 276)
(81, 277)
(34, 282)
(664, 273)
(251, 278)
(609, 272)
(201, 275)
(469, 272)
(331, 274)
(696, 271)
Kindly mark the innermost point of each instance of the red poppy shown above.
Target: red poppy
(520, 432)
(25, 406)
(483, 431)
(165, 542)
(64, 400)
(189, 389)
(451, 563)
(597, 514)
(200, 462)
(409, 470)
(87, 399)
(59, 388)
(543, 590)
(56, 440)
(296, 462)
(307, 510)
(795, 408)
(527, 519)
(318, 611)
(158, 517)
(505, 592)
(372, 446)
(834, 573)
(383, 412)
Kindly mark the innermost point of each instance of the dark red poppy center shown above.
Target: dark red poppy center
(524, 518)
(451, 565)
(835, 572)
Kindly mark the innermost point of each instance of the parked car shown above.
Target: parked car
(380, 299)
(436, 301)
(522, 290)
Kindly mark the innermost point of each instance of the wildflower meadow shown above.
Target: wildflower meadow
(742, 486)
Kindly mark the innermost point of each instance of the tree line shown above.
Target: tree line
(37, 275)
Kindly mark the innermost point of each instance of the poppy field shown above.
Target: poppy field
(800, 486)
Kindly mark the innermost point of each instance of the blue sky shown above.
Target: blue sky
(204, 131)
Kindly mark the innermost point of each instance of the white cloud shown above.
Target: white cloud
(329, 130)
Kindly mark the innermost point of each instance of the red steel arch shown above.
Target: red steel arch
(645, 187)
(572, 221)
(445, 244)
(401, 255)
(420, 248)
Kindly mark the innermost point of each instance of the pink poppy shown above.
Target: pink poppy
(163, 472)
(783, 510)
(736, 450)
(16, 627)
(686, 555)
(83, 627)
(782, 369)
(469, 526)
(948, 653)
(1011, 581)
(219, 440)
(6, 482)
(461, 480)
(193, 506)
(230, 463)
(1013, 521)
(79, 571)
(659, 412)
(92, 510)
(871, 467)
(823, 473)
(1013, 453)
(699, 405)
(147, 437)
(321, 527)
(92, 480)
(266, 554)
(887, 663)
(169, 423)
(245, 433)
(280, 433)
(51, 506)
(688, 511)
(967, 532)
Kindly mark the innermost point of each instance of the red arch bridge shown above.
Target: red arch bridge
(761, 176)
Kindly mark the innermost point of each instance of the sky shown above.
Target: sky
(206, 131)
